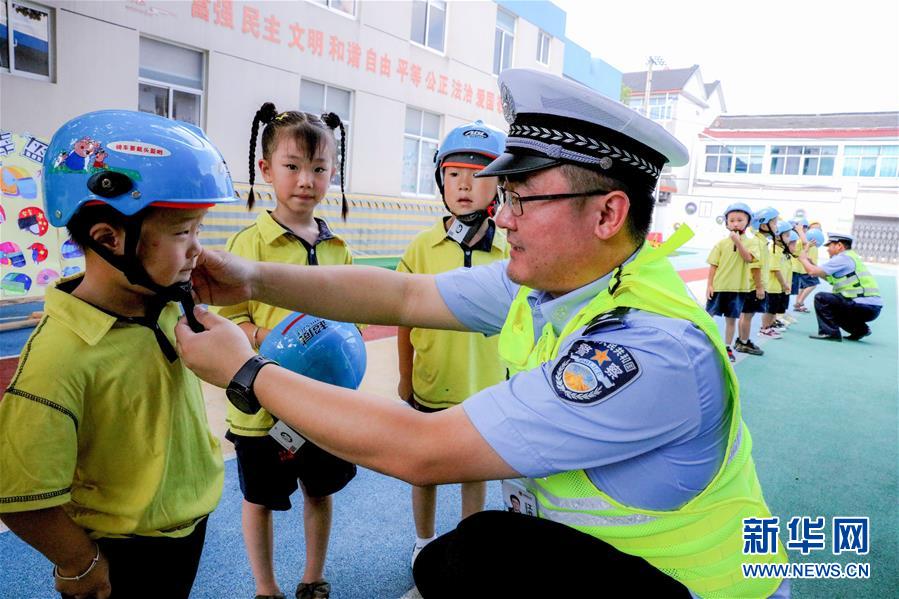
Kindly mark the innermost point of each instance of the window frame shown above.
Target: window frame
(511, 34)
(542, 37)
(427, 26)
(878, 160)
(173, 87)
(51, 42)
(327, 5)
(803, 157)
(734, 157)
(665, 104)
(420, 137)
(348, 123)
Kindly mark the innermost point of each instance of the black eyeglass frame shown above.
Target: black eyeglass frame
(503, 194)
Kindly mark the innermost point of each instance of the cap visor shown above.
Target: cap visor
(516, 164)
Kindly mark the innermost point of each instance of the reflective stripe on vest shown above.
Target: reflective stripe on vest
(700, 544)
(858, 283)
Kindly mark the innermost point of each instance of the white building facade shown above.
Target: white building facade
(401, 74)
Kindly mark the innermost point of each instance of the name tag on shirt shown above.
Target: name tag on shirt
(518, 499)
(286, 437)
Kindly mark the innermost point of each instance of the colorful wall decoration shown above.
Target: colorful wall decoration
(32, 253)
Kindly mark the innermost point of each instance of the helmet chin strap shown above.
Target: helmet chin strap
(129, 264)
(467, 226)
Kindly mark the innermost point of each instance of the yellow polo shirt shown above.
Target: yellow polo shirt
(267, 241)
(764, 259)
(733, 273)
(450, 366)
(98, 421)
(779, 262)
(812, 255)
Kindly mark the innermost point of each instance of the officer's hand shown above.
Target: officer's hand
(93, 586)
(216, 354)
(404, 389)
(222, 279)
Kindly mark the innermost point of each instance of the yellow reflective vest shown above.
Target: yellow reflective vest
(700, 543)
(858, 283)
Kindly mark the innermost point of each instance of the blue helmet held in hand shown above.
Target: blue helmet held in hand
(815, 235)
(325, 350)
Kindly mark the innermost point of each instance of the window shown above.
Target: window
(344, 6)
(661, 107)
(871, 161)
(170, 81)
(429, 23)
(318, 99)
(734, 159)
(25, 39)
(543, 41)
(803, 160)
(505, 39)
(419, 146)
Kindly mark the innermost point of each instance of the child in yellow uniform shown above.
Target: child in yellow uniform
(764, 222)
(298, 160)
(439, 369)
(732, 261)
(804, 283)
(107, 463)
(778, 281)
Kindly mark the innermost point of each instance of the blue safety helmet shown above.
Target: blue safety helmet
(800, 220)
(474, 145)
(793, 236)
(326, 350)
(815, 235)
(784, 227)
(738, 207)
(763, 216)
(130, 160)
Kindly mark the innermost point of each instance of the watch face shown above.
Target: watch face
(240, 401)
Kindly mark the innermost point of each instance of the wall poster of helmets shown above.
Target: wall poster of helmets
(32, 253)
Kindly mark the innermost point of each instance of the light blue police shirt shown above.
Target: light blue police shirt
(653, 443)
(840, 266)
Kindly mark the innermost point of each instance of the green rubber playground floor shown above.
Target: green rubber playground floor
(823, 418)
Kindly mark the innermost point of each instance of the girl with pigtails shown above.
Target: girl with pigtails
(299, 158)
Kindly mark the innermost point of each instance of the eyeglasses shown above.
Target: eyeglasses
(515, 201)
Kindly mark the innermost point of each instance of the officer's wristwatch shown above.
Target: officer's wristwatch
(240, 389)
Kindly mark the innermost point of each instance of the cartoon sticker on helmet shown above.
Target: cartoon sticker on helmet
(89, 156)
(32, 219)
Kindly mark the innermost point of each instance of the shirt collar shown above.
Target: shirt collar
(83, 319)
(271, 230)
(559, 310)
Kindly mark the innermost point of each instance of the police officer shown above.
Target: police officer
(622, 413)
(855, 300)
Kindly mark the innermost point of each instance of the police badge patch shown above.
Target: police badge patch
(593, 371)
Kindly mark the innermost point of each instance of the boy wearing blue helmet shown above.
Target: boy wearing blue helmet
(764, 223)
(109, 467)
(733, 264)
(778, 284)
(439, 369)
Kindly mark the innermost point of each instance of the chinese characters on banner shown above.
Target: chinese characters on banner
(250, 21)
(32, 253)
